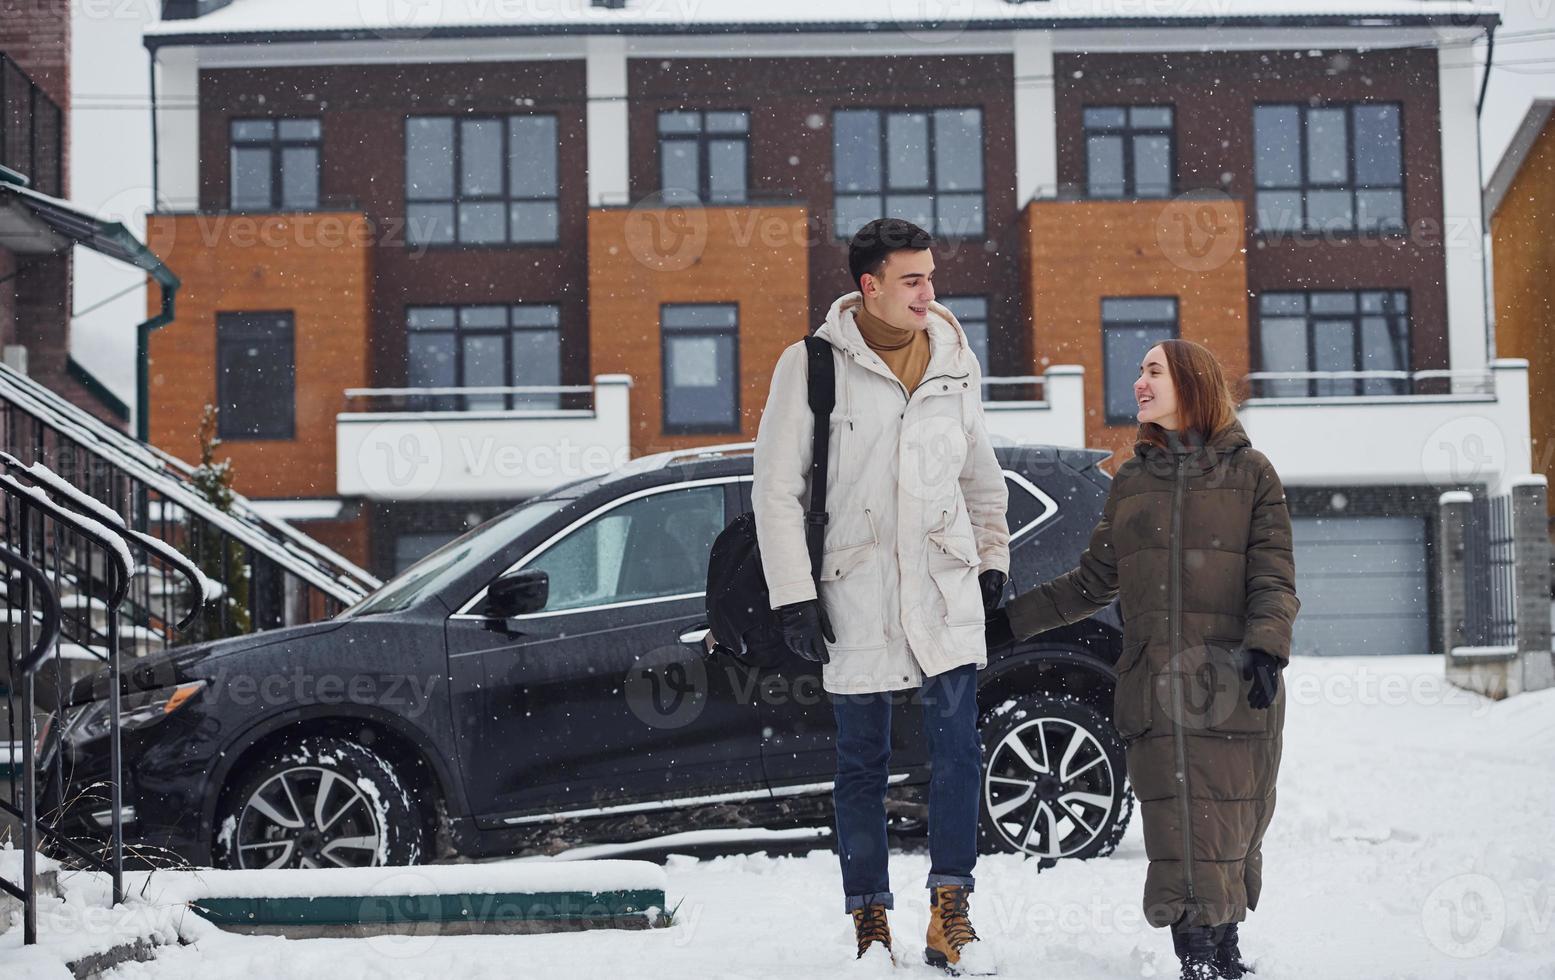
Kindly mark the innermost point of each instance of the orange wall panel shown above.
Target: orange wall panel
(754, 257)
(1524, 268)
(315, 265)
(1075, 253)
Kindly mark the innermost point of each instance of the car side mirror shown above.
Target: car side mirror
(517, 592)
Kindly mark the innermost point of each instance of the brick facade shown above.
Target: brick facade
(1216, 93)
(36, 35)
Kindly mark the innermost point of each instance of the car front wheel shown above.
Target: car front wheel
(1054, 784)
(322, 802)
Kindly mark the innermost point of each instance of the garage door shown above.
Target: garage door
(1363, 585)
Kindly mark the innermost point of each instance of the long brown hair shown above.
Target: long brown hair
(1204, 404)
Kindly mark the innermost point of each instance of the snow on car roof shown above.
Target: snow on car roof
(715, 16)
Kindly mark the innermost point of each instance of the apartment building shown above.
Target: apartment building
(435, 265)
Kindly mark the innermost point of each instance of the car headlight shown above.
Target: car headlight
(136, 711)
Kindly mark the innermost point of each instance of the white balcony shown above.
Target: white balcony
(474, 453)
(1056, 418)
(1476, 431)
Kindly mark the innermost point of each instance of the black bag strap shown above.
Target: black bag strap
(823, 396)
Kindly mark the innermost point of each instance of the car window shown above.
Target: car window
(455, 558)
(646, 548)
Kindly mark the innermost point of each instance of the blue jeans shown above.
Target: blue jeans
(863, 766)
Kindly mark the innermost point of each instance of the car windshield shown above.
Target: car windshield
(448, 562)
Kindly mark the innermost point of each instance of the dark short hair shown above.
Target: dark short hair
(875, 242)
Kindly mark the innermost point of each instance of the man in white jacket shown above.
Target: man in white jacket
(916, 551)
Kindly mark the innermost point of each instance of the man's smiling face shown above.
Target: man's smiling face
(900, 295)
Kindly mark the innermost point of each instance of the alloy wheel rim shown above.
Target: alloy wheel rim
(1049, 788)
(308, 817)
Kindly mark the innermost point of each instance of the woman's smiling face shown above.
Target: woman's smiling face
(1154, 392)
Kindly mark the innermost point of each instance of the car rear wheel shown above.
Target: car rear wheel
(1054, 784)
(322, 802)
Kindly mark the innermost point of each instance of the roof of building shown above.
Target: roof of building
(245, 20)
(1517, 151)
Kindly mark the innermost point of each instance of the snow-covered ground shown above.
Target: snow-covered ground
(1413, 839)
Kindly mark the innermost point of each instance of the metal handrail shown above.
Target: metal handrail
(50, 614)
(107, 529)
(37, 582)
(57, 486)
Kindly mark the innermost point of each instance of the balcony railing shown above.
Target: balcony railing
(1276, 385)
(32, 131)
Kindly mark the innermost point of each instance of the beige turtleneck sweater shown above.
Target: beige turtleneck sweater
(905, 351)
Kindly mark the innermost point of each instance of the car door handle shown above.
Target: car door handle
(696, 634)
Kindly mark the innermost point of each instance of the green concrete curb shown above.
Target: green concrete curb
(410, 910)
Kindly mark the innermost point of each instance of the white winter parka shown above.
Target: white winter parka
(916, 502)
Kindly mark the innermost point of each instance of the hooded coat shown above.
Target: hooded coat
(916, 503)
(1196, 541)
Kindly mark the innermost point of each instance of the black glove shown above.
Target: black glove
(802, 629)
(992, 583)
(996, 629)
(1264, 671)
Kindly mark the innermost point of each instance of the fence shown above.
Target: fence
(1490, 583)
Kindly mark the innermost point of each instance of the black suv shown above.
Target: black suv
(546, 680)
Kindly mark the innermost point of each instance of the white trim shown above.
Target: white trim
(609, 163)
(1463, 231)
(326, 509)
(803, 789)
(464, 611)
(257, 52)
(1036, 117)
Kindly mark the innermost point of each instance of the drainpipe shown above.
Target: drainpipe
(143, 359)
(1487, 240)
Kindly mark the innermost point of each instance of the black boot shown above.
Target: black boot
(1195, 946)
(1228, 957)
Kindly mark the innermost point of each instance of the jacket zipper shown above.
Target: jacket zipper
(1180, 740)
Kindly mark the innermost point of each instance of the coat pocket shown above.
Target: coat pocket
(1131, 698)
(1223, 690)
(953, 565)
(851, 595)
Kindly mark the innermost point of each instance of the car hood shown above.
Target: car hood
(179, 665)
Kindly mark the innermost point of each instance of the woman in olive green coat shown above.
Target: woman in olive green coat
(1195, 537)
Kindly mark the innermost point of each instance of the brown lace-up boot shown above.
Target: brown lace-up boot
(870, 927)
(953, 945)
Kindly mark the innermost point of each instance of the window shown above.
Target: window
(255, 376)
(704, 156)
(649, 547)
(484, 180)
(275, 164)
(1129, 328)
(484, 346)
(922, 165)
(700, 352)
(1334, 331)
(1329, 168)
(972, 313)
(1128, 151)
